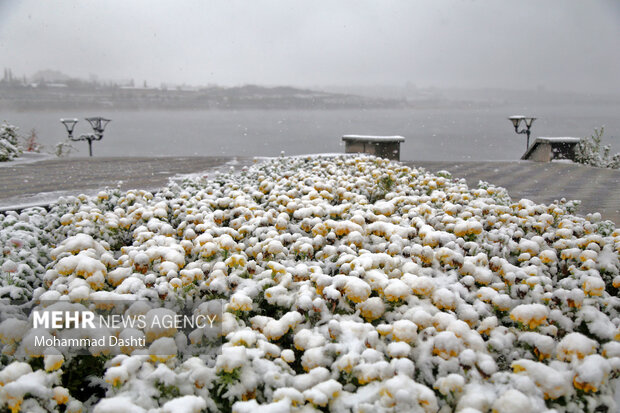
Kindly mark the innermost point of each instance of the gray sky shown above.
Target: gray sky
(559, 44)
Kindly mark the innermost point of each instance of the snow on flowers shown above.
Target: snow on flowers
(341, 292)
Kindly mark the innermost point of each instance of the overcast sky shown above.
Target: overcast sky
(559, 44)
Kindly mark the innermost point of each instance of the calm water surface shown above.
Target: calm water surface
(432, 134)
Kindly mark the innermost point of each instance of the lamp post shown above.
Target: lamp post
(97, 123)
(516, 121)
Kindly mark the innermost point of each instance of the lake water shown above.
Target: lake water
(431, 134)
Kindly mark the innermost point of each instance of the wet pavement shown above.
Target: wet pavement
(597, 188)
(40, 183)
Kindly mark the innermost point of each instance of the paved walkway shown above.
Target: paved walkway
(39, 183)
(597, 188)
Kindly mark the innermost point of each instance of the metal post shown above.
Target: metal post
(527, 143)
(516, 121)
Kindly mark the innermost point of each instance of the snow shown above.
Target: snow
(555, 383)
(531, 315)
(274, 329)
(306, 339)
(452, 383)
(36, 200)
(558, 139)
(288, 355)
(513, 401)
(35, 383)
(14, 371)
(356, 290)
(544, 345)
(372, 309)
(12, 330)
(240, 302)
(446, 344)
(282, 406)
(315, 357)
(330, 300)
(26, 158)
(444, 298)
(185, 404)
(406, 393)
(372, 138)
(118, 404)
(592, 372)
(396, 290)
(154, 327)
(231, 358)
(593, 286)
(405, 330)
(398, 349)
(163, 349)
(575, 345)
(290, 393)
(321, 393)
(313, 377)
(52, 359)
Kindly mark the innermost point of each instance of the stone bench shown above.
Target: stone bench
(382, 146)
(545, 149)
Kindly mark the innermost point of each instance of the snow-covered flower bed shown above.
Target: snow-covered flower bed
(350, 284)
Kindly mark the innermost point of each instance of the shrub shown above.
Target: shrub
(591, 152)
(64, 148)
(31, 143)
(9, 147)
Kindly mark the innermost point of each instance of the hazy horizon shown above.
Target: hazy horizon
(566, 45)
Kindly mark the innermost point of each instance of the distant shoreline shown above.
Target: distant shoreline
(61, 96)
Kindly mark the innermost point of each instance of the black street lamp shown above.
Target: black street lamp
(516, 120)
(97, 123)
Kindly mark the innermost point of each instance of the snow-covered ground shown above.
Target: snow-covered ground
(350, 284)
(25, 158)
(37, 200)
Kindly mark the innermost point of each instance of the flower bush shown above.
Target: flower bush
(350, 283)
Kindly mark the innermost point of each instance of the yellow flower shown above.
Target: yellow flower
(320, 229)
(53, 362)
(548, 256)
(575, 345)
(384, 329)
(371, 309)
(366, 374)
(405, 330)
(444, 299)
(61, 395)
(14, 403)
(530, 315)
(593, 286)
(236, 260)
(446, 345)
(357, 290)
(584, 386)
(276, 268)
(591, 374)
(240, 302)
(423, 286)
